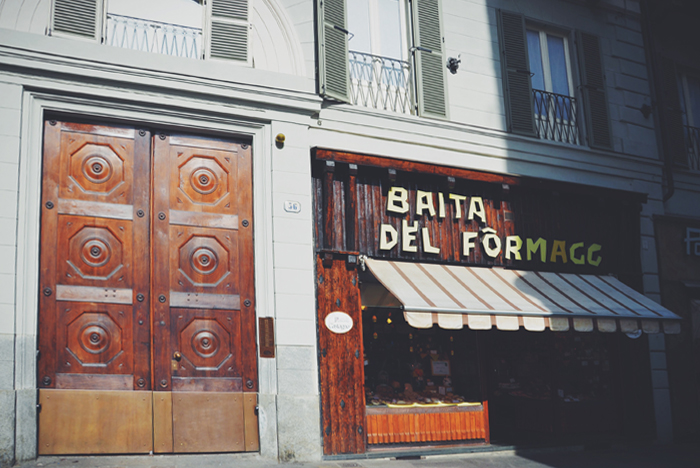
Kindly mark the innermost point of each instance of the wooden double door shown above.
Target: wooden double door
(147, 304)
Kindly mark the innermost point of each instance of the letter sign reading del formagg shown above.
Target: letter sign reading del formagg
(486, 239)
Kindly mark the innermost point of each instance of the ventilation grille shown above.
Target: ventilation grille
(334, 12)
(336, 62)
(433, 84)
(429, 24)
(229, 41)
(77, 17)
(234, 9)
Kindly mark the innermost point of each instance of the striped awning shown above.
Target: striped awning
(481, 298)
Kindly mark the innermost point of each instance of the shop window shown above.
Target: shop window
(383, 54)
(196, 29)
(540, 97)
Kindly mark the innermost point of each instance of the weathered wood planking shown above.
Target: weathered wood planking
(343, 190)
(411, 425)
(340, 359)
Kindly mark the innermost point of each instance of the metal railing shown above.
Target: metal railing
(692, 141)
(153, 36)
(555, 117)
(380, 83)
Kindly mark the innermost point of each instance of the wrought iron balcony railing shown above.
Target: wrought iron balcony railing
(555, 117)
(692, 140)
(380, 83)
(154, 36)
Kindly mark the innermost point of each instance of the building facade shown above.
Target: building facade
(168, 174)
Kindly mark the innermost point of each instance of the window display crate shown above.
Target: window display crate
(427, 424)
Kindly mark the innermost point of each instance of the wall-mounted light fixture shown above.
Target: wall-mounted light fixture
(279, 140)
(453, 63)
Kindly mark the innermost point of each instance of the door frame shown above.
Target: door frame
(130, 111)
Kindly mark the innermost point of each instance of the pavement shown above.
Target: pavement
(647, 456)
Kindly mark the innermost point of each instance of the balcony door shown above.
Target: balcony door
(147, 331)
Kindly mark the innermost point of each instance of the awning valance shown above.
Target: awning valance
(481, 298)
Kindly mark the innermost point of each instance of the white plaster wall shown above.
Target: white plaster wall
(295, 303)
(281, 39)
(10, 113)
(476, 91)
(25, 15)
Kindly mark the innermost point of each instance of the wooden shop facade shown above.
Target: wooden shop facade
(460, 307)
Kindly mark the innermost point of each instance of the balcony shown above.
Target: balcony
(555, 117)
(381, 83)
(154, 36)
(692, 139)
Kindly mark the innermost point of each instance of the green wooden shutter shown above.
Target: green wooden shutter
(333, 66)
(429, 58)
(595, 101)
(671, 114)
(517, 87)
(228, 34)
(77, 17)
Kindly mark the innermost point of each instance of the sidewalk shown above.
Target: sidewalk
(673, 456)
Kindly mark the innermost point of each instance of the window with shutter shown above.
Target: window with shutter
(594, 93)
(517, 89)
(80, 18)
(687, 155)
(228, 32)
(333, 74)
(538, 86)
(428, 58)
(552, 85)
(383, 54)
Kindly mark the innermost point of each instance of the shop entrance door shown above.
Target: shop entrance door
(147, 322)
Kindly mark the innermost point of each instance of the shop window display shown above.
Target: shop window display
(409, 366)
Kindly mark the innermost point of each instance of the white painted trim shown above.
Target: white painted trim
(201, 119)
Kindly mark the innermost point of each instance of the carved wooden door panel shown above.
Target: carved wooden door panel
(146, 284)
(204, 332)
(94, 320)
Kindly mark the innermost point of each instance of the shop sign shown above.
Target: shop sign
(692, 241)
(514, 247)
(338, 322)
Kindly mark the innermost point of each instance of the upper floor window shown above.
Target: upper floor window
(540, 95)
(689, 87)
(195, 29)
(380, 73)
(552, 87)
(383, 54)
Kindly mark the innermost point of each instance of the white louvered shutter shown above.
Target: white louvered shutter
(228, 30)
(429, 58)
(517, 87)
(333, 67)
(594, 93)
(77, 17)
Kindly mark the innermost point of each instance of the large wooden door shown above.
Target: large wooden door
(204, 322)
(146, 289)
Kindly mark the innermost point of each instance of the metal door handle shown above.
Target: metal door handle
(177, 356)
